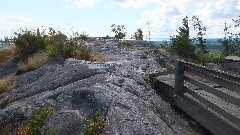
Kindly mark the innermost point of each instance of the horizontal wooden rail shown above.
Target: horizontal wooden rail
(214, 107)
(215, 79)
(220, 74)
(214, 91)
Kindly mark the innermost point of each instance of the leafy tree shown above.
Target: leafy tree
(181, 44)
(197, 24)
(138, 35)
(119, 31)
(231, 42)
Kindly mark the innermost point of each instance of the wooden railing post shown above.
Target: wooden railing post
(179, 78)
(1, 43)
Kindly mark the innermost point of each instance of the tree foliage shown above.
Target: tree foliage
(57, 45)
(28, 42)
(138, 35)
(231, 41)
(181, 44)
(119, 31)
(201, 30)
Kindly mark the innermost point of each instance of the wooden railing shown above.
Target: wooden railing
(216, 87)
(6, 43)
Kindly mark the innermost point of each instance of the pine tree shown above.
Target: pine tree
(181, 44)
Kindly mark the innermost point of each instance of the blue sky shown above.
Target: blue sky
(95, 17)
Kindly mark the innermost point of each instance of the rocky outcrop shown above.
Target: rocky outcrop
(75, 89)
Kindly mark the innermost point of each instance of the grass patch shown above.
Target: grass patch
(34, 62)
(166, 65)
(7, 83)
(94, 125)
(6, 54)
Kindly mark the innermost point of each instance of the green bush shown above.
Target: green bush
(94, 125)
(153, 80)
(201, 57)
(216, 57)
(138, 35)
(83, 36)
(59, 47)
(83, 52)
(28, 42)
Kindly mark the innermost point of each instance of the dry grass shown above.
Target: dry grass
(97, 57)
(34, 62)
(7, 83)
(6, 54)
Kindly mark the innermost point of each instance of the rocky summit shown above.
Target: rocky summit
(118, 89)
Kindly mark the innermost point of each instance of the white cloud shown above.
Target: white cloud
(134, 3)
(8, 23)
(80, 4)
(167, 16)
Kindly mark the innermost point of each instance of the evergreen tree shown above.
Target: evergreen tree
(181, 44)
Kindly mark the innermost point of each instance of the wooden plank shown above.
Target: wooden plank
(205, 117)
(221, 81)
(235, 120)
(222, 74)
(179, 78)
(214, 91)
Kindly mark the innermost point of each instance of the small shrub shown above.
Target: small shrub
(28, 42)
(200, 57)
(162, 51)
(60, 47)
(7, 83)
(94, 125)
(216, 57)
(6, 54)
(35, 122)
(126, 44)
(6, 130)
(83, 52)
(167, 65)
(153, 80)
(138, 35)
(83, 36)
(33, 62)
